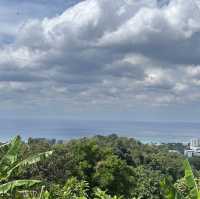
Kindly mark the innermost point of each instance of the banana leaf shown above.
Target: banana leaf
(10, 186)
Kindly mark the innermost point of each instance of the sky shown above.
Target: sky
(100, 59)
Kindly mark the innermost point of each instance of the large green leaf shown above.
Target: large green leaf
(28, 162)
(189, 177)
(169, 189)
(4, 146)
(10, 186)
(12, 154)
(190, 180)
(11, 165)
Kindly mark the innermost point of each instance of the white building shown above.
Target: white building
(194, 149)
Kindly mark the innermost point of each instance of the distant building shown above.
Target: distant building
(194, 148)
(59, 142)
(195, 143)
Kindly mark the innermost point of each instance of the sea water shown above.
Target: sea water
(63, 129)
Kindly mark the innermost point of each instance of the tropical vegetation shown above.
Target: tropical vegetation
(101, 167)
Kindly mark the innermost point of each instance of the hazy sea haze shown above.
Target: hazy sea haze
(156, 132)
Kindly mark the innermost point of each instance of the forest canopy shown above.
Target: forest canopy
(110, 165)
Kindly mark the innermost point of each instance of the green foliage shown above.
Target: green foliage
(99, 194)
(9, 187)
(101, 167)
(115, 175)
(147, 183)
(185, 188)
(75, 189)
(12, 165)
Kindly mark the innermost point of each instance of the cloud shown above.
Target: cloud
(101, 52)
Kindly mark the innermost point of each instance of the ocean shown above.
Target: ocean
(146, 132)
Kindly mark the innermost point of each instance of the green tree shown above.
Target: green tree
(147, 183)
(114, 175)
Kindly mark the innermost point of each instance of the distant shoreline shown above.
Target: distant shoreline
(62, 129)
(50, 140)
